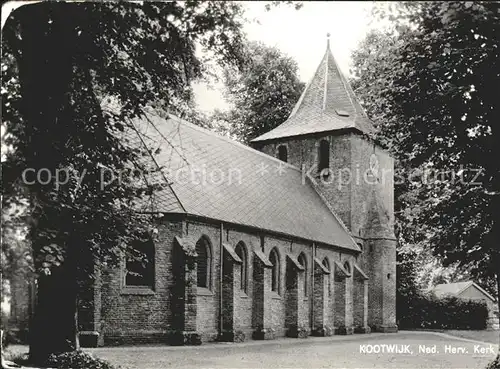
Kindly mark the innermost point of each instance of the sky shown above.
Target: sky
(302, 35)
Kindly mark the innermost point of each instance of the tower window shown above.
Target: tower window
(241, 252)
(323, 155)
(275, 271)
(283, 153)
(140, 263)
(302, 261)
(203, 263)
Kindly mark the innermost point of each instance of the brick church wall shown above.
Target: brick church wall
(207, 320)
(244, 300)
(140, 315)
(132, 315)
(321, 254)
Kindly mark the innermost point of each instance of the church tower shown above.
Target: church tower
(328, 135)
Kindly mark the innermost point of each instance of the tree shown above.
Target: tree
(427, 83)
(262, 94)
(62, 61)
(407, 289)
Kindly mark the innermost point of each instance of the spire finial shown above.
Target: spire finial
(328, 40)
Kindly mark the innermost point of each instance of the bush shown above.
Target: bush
(78, 360)
(9, 338)
(14, 337)
(495, 364)
(426, 311)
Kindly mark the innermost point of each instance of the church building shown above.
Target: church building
(291, 237)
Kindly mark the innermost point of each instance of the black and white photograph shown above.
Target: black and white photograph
(250, 184)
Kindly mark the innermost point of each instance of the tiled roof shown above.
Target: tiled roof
(234, 183)
(455, 289)
(450, 289)
(328, 103)
(163, 198)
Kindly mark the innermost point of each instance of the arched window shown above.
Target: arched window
(303, 261)
(140, 263)
(323, 155)
(203, 262)
(283, 153)
(241, 252)
(275, 271)
(326, 264)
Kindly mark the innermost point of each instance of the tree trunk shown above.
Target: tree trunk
(44, 55)
(54, 327)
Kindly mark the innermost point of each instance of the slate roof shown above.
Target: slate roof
(328, 103)
(455, 289)
(246, 188)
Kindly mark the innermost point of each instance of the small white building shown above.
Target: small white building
(470, 291)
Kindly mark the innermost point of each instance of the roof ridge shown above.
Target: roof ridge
(325, 87)
(227, 139)
(447, 284)
(451, 283)
(483, 290)
(467, 285)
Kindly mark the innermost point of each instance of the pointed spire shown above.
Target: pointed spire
(327, 104)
